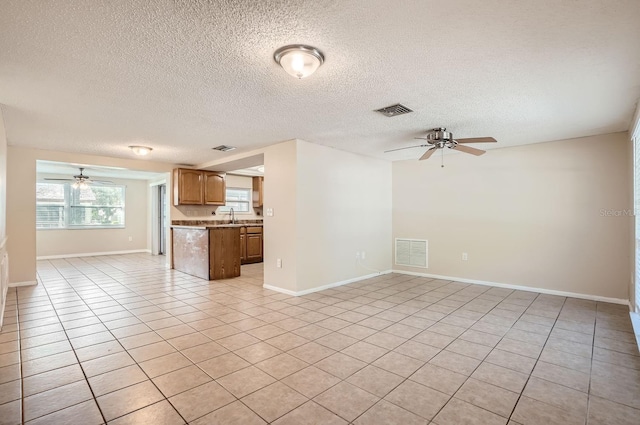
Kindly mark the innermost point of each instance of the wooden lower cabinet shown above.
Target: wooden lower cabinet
(254, 248)
(251, 244)
(224, 249)
(243, 247)
(207, 253)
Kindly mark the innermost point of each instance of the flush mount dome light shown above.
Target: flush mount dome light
(140, 150)
(299, 60)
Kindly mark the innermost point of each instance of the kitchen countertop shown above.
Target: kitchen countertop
(243, 222)
(213, 226)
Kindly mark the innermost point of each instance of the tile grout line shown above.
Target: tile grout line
(537, 359)
(494, 347)
(191, 287)
(75, 355)
(441, 349)
(116, 339)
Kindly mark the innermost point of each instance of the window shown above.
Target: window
(60, 206)
(237, 198)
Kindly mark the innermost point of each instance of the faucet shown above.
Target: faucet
(233, 216)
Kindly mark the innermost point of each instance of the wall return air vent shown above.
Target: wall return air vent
(412, 252)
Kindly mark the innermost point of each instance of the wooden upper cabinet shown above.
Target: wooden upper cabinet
(198, 187)
(258, 183)
(214, 188)
(187, 187)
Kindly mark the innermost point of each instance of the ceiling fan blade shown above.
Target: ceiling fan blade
(99, 182)
(477, 140)
(428, 154)
(408, 147)
(60, 180)
(467, 149)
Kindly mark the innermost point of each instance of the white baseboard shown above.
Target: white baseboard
(323, 287)
(519, 287)
(92, 254)
(25, 283)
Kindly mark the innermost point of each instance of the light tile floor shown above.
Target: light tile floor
(124, 340)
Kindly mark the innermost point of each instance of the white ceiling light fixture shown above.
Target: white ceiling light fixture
(299, 60)
(140, 150)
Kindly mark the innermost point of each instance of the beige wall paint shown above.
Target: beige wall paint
(280, 194)
(53, 242)
(529, 215)
(3, 181)
(3, 215)
(203, 212)
(21, 207)
(343, 206)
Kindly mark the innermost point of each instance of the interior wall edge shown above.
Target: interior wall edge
(324, 287)
(92, 254)
(519, 287)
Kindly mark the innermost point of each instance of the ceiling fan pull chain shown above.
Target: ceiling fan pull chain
(441, 158)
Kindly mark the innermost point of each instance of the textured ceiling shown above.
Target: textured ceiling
(183, 76)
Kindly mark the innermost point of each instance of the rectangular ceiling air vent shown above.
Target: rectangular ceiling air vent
(224, 148)
(394, 110)
(412, 252)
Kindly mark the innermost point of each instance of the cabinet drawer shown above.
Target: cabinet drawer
(254, 229)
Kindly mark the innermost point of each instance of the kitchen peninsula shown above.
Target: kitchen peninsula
(213, 249)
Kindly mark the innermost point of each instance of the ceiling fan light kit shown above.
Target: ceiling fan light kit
(299, 60)
(440, 138)
(82, 181)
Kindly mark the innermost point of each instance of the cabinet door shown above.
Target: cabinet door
(187, 187)
(243, 249)
(254, 248)
(258, 183)
(214, 188)
(224, 249)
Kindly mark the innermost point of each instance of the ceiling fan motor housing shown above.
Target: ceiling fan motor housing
(441, 138)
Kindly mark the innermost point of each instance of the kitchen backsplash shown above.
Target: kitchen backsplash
(198, 212)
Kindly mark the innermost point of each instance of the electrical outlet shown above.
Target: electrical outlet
(130, 238)
(465, 257)
(279, 263)
(362, 255)
(269, 212)
(357, 255)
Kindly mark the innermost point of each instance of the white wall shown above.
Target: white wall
(3, 217)
(327, 205)
(58, 242)
(343, 207)
(3, 180)
(280, 231)
(533, 215)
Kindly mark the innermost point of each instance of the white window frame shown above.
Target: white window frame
(227, 208)
(68, 206)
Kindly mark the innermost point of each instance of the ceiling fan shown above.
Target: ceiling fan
(82, 181)
(440, 138)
